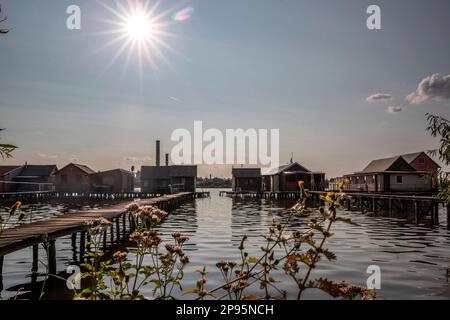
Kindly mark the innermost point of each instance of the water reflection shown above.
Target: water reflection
(413, 257)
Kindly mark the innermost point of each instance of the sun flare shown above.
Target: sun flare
(139, 31)
(139, 27)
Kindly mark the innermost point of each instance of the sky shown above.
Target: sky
(340, 94)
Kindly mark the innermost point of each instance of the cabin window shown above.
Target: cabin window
(63, 179)
(421, 161)
(399, 179)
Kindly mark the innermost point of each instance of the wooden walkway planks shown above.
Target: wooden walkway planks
(30, 234)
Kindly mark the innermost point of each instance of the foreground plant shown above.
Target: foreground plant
(164, 270)
(6, 149)
(440, 127)
(4, 221)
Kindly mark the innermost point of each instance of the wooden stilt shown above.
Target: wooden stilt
(117, 229)
(105, 239)
(124, 225)
(448, 216)
(35, 262)
(82, 245)
(111, 232)
(1, 265)
(1, 273)
(416, 211)
(51, 257)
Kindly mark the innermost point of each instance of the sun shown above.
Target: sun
(139, 31)
(139, 27)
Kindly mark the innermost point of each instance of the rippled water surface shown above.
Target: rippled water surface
(413, 258)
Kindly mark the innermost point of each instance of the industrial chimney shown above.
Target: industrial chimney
(158, 153)
(167, 159)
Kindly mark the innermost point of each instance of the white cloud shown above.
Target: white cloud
(137, 159)
(379, 97)
(47, 156)
(432, 88)
(394, 109)
(175, 99)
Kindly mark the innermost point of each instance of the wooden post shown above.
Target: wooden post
(1, 273)
(82, 245)
(118, 229)
(448, 216)
(374, 205)
(124, 225)
(51, 257)
(34, 264)
(390, 206)
(105, 235)
(416, 211)
(435, 213)
(111, 231)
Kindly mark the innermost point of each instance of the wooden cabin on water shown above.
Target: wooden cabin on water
(281, 179)
(35, 178)
(286, 177)
(74, 178)
(169, 178)
(246, 179)
(404, 173)
(116, 180)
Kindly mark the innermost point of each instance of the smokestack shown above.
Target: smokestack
(167, 159)
(158, 153)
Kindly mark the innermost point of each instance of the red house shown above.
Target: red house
(74, 178)
(116, 180)
(421, 162)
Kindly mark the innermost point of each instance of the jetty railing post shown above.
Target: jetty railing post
(117, 229)
(105, 235)
(51, 257)
(34, 264)
(82, 245)
(111, 231)
(416, 211)
(1, 273)
(124, 225)
(448, 216)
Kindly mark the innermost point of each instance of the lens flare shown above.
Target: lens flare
(183, 15)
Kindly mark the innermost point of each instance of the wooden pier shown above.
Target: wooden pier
(33, 234)
(364, 202)
(43, 196)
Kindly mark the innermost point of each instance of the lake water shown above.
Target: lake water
(413, 258)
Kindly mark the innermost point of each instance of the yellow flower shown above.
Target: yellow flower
(301, 184)
(14, 208)
(328, 198)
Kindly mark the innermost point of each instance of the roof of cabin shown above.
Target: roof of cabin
(38, 170)
(7, 169)
(166, 172)
(82, 167)
(397, 163)
(246, 172)
(295, 166)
